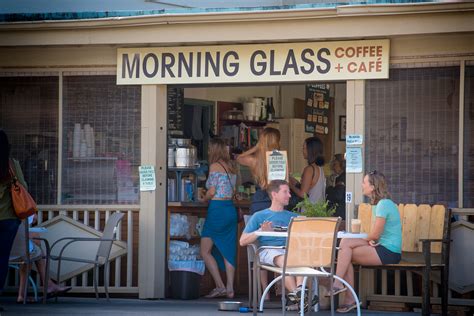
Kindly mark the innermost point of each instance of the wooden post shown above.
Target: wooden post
(153, 214)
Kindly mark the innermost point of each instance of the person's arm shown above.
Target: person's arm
(247, 158)
(306, 180)
(248, 236)
(377, 230)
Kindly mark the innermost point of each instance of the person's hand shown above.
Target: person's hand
(211, 192)
(293, 181)
(373, 243)
(266, 226)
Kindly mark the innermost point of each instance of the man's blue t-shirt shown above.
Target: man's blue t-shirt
(278, 218)
(391, 237)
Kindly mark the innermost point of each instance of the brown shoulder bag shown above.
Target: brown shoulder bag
(23, 203)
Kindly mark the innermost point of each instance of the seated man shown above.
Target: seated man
(265, 220)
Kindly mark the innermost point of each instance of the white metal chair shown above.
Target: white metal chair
(20, 255)
(310, 247)
(251, 250)
(102, 256)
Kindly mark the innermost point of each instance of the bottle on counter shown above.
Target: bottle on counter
(270, 110)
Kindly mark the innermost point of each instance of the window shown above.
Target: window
(469, 138)
(29, 115)
(412, 133)
(101, 144)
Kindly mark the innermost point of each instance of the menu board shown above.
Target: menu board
(317, 109)
(175, 111)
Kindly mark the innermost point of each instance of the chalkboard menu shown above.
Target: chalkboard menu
(317, 109)
(175, 111)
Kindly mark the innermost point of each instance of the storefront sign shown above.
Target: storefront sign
(277, 165)
(353, 160)
(147, 178)
(254, 63)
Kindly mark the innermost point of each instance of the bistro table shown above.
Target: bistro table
(340, 235)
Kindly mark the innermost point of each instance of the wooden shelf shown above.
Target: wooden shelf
(246, 122)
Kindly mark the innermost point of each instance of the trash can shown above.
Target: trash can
(185, 285)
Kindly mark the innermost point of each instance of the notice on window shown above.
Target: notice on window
(147, 178)
(277, 165)
(354, 139)
(353, 160)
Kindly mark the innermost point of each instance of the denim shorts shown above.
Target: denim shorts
(387, 256)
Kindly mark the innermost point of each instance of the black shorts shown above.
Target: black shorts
(387, 256)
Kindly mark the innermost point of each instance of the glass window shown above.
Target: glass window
(29, 115)
(469, 138)
(101, 151)
(412, 133)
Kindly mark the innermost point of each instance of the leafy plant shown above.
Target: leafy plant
(310, 209)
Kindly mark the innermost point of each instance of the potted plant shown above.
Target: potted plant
(310, 209)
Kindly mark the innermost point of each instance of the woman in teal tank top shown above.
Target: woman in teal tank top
(382, 245)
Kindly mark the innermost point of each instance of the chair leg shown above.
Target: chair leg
(249, 273)
(283, 295)
(35, 288)
(25, 291)
(96, 280)
(57, 279)
(267, 289)
(425, 305)
(354, 295)
(303, 289)
(106, 280)
(444, 289)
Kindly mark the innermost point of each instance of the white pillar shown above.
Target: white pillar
(153, 214)
(355, 120)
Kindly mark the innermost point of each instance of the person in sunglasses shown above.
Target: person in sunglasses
(383, 245)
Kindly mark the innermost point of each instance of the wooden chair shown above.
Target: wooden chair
(310, 247)
(102, 255)
(425, 231)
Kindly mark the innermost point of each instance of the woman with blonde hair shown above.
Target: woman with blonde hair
(255, 159)
(383, 245)
(219, 235)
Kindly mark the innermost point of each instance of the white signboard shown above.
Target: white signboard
(277, 165)
(147, 178)
(354, 139)
(348, 197)
(309, 61)
(353, 160)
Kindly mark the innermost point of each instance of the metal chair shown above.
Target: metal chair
(102, 255)
(20, 255)
(310, 247)
(251, 250)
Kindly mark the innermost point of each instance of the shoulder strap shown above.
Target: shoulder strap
(11, 169)
(233, 188)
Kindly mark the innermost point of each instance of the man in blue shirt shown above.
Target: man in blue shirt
(266, 220)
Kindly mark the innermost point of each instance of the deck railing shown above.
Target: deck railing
(123, 270)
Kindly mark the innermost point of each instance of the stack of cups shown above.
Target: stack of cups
(76, 140)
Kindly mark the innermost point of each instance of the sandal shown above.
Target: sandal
(29, 300)
(217, 292)
(335, 291)
(346, 308)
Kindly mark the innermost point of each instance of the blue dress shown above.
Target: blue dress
(221, 220)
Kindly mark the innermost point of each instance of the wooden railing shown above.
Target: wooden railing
(124, 269)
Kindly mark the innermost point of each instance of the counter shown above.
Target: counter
(199, 209)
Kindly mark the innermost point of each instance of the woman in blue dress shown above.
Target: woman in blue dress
(219, 235)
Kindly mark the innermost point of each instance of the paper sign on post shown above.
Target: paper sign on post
(354, 139)
(277, 165)
(353, 160)
(348, 197)
(147, 178)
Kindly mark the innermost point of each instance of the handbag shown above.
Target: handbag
(23, 203)
(240, 213)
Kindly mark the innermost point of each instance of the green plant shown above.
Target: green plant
(310, 209)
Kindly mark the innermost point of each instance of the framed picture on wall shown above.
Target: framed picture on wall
(342, 128)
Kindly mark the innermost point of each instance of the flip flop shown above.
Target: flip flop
(335, 291)
(29, 300)
(346, 308)
(63, 291)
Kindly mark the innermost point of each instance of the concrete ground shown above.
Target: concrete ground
(91, 306)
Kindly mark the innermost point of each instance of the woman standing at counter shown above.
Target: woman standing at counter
(219, 235)
(255, 159)
(313, 181)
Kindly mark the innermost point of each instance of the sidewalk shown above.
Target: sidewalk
(91, 306)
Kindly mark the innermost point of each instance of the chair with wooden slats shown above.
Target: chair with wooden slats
(425, 231)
